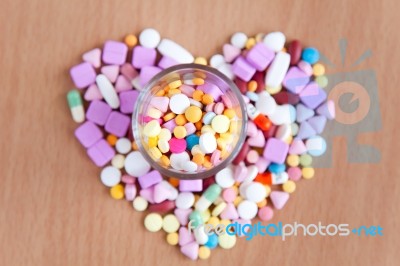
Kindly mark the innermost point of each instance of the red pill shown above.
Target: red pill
(242, 85)
(295, 52)
(259, 77)
(264, 178)
(163, 207)
(242, 154)
(284, 97)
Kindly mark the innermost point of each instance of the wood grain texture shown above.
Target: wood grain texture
(54, 210)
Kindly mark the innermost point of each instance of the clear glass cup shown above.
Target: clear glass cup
(188, 72)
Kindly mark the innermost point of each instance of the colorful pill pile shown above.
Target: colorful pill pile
(190, 124)
(283, 86)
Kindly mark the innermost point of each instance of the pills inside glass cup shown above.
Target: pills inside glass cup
(190, 119)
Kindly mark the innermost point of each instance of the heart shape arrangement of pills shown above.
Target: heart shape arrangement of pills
(281, 83)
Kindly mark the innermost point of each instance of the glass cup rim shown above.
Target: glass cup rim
(184, 175)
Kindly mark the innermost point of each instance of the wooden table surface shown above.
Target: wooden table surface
(54, 210)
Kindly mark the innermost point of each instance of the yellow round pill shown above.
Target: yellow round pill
(204, 252)
(153, 222)
(262, 203)
(307, 172)
(169, 116)
(289, 186)
(200, 61)
(193, 114)
(175, 84)
(220, 123)
(170, 223)
(318, 69)
(214, 221)
(173, 238)
(131, 40)
(197, 95)
(180, 132)
(165, 160)
(152, 129)
(230, 113)
(117, 191)
(250, 43)
(198, 81)
(293, 160)
(226, 241)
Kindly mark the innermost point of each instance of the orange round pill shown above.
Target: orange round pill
(193, 114)
(111, 139)
(198, 158)
(131, 40)
(207, 99)
(180, 120)
(165, 160)
(197, 95)
(252, 86)
(198, 81)
(169, 116)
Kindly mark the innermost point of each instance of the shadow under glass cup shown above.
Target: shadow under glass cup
(186, 73)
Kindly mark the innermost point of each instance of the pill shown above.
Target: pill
(153, 222)
(152, 129)
(208, 197)
(220, 123)
(179, 103)
(76, 106)
(107, 91)
(175, 51)
(123, 145)
(208, 143)
(136, 165)
(275, 41)
(110, 176)
(247, 209)
(226, 241)
(200, 235)
(170, 223)
(277, 70)
(204, 252)
(149, 38)
(239, 40)
(185, 200)
(193, 114)
(117, 192)
(224, 178)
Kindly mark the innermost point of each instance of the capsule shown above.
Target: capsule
(208, 197)
(259, 119)
(76, 106)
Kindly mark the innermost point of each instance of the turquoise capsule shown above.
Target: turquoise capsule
(75, 105)
(208, 197)
(195, 218)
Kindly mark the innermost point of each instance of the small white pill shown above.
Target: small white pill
(140, 204)
(225, 177)
(255, 192)
(149, 38)
(110, 176)
(179, 103)
(208, 143)
(189, 166)
(136, 164)
(275, 41)
(123, 145)
(239, 40)
(247, 209)
(185, 200)
(177, 159)
(217, 60)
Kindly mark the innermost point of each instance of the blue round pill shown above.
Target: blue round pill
(212, 241)
(192, 140)
(310, 55)
(276, 168)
